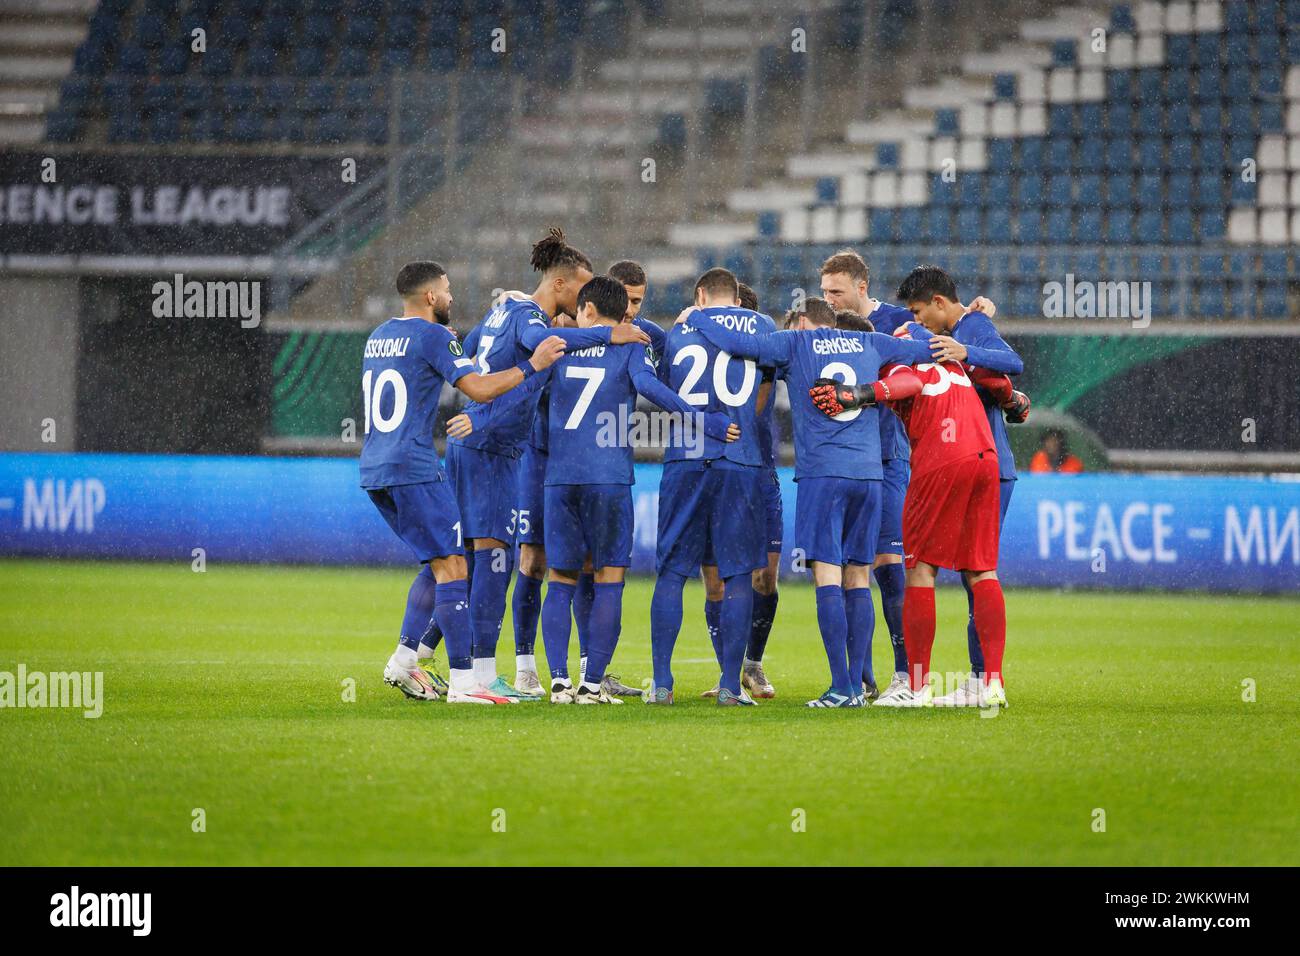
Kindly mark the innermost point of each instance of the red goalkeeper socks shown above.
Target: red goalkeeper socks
(990, 624)
(918, 632)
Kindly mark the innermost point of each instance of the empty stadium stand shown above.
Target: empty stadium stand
(1165, 147)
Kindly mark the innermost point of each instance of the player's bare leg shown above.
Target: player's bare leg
(532, 565)
(753, 676)
(918, 631)
(714, 592)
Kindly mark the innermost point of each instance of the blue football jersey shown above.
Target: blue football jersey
(403, 367)
(592, 396)
(848, 445)
(893, 436)
(986, 349)
(710, 378)
(507, 336)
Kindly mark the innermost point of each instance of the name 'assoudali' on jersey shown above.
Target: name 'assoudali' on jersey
(592, 396)
(711, 379)
(403, 367)
(946, 422)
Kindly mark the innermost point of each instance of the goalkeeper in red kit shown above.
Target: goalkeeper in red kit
(951, 512)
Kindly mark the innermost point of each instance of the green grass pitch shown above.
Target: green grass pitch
(224, 692)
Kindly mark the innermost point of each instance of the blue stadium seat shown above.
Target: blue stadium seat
(1060, 155)
(1060, 120)
(1151, 152)
(936, 225)
(1029, 225)
(1000, 154)
(942, 191)
(911, 223)
(1057, 227)
(945, 122)
(1150, 227)
(1179, 190)
(970, 224)
(1004, 86)
(1272, 299)
(1150, 193)
(997, 190)
(308, 61)
(997, 225)
(352, 61)
(173, 60)
(1180, 227)
(1031, 153)
(1119, 191)
(971, 188)
(1087, 226)
(1060, 190)
(1213, 225)
(1119, 226)
(1029, 190)
(882, 226)
(1211, 298)
(1273, 263)
(1119, 154)
(1089, 190)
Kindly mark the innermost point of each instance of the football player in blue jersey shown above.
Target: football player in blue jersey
(845, 281)
(405, 363)
(753, 677)
(589, 474)
(485, 465)
(633, 278)
(838, 470)
(711, 504)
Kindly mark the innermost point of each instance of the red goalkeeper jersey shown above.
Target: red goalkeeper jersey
(946, 422)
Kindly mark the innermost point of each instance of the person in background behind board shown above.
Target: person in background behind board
(1054, 455)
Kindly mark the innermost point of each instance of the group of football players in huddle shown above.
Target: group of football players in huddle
(902, 467)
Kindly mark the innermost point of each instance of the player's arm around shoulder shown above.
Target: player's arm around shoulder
(484, 388)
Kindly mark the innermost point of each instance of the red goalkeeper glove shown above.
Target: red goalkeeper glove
(834, 397)
(1017, 410)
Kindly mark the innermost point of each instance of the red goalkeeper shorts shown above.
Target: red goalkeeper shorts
(952, 514)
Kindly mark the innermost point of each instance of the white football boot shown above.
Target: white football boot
(906, 697)
(529, 684)
(413, 681)
(995, 695)
(968, 694)
(562, 690)
(896, 684)
(589, 694)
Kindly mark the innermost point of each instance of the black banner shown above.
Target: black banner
(149, 204)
